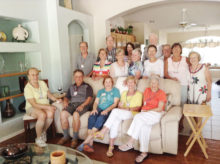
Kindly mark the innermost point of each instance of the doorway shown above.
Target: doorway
(76, 35)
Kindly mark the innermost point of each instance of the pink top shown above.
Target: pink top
(179, 70)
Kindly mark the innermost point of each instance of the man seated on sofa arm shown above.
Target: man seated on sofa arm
(76, 103)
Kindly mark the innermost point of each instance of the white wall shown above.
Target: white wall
(59, 18)
(138, 31)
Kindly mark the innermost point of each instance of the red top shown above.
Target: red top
(152, 99)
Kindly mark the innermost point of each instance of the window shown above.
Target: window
(208, 47)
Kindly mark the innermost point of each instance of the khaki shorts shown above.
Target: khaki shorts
(29, 111)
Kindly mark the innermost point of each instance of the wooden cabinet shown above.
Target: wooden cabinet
(122, 39)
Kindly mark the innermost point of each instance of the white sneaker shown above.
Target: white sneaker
(39, 142)
(44, 136)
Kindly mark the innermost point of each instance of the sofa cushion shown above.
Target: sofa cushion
(169, 101)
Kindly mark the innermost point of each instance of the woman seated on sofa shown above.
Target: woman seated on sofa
(136, 67)
(106, 100)
(102, 67)
(36, 94)
(140, 129)
(120, 67)
(130, 103)
(153, 65)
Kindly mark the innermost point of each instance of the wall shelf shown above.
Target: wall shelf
(19, 47)
(9, 74)
(11, 95)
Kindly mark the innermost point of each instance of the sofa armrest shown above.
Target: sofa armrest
(174, 114)
(169, 129)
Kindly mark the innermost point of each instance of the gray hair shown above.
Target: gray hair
(137, 50)
(84, 43)
(154, 77)
(194, 52)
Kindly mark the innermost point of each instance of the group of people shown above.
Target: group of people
(109, 107)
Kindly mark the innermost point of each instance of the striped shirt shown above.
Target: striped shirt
(111, 55)
(102, 71)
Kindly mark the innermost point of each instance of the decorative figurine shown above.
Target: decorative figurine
(20, 34)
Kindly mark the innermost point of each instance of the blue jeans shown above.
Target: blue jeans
(97, 120)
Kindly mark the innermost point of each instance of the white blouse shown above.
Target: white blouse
(156, 67)
(118, 71)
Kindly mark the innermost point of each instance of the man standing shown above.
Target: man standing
(86, 60)
(166, 51)
(153, 40)
(76, 103)
(110, 49)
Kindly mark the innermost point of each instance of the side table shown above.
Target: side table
(59, 95)
(192, 111)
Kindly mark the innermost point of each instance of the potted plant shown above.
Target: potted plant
(120, 29)
(130, 30)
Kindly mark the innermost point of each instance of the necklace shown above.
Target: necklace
(121, 67)
(176, 68)
(127, 102)
(152, 96)
(39, 90)
(196, 70)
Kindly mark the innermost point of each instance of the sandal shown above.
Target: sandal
(109, 153)
(141, 158)
(99, 135)
(88, 148)
(125, 147)
(80, 147)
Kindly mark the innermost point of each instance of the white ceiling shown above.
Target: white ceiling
(168, 16)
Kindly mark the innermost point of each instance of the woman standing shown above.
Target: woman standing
(102, 67)
(130, 103)
(200, 81)
(128, 52)
(107, 99)
(151, 113)
(119, 68)
(36, 94)
(136, 67)
(153, 65)
(176, 68)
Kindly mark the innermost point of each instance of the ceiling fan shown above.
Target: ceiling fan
(184, 23)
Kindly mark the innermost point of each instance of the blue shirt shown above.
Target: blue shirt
(134, 67)
(106, 99)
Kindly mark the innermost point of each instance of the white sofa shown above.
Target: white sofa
(164, 135)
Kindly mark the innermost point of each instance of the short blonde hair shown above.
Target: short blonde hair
(32, 68)
(119, 50)
(131, 78)
(194, 52)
